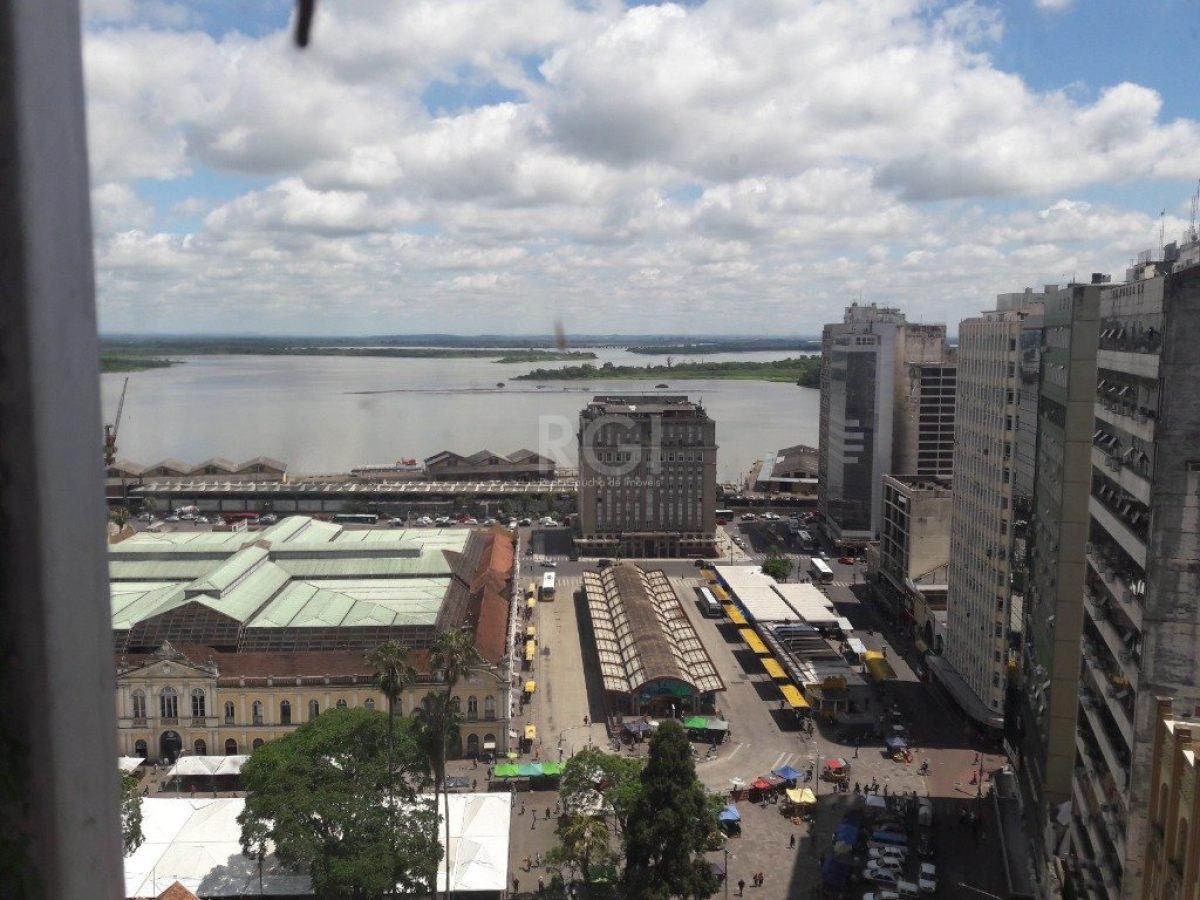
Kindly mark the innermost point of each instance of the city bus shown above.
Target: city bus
(724, 515)
(710, 607)
(820, 571)
(357, 518)
(548, 587)
(805, 539)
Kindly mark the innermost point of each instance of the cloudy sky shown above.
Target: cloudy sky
(742, 166)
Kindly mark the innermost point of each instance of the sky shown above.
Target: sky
(727, 166)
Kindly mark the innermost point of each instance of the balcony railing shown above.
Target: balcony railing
(1133, 545)
(1131, 339)
(168, 720)
(140, 721)
(1118, 769)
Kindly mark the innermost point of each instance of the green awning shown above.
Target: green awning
(700, 722)
(506, 771)
(529, 770)
(552, 768)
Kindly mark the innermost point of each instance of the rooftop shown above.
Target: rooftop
(642, 632)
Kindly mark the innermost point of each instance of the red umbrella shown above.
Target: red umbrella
(761, 784)
(835, 764)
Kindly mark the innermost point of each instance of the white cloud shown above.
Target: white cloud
(764, 158)
(1054, 5)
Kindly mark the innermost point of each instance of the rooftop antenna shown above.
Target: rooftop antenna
(1162, 228)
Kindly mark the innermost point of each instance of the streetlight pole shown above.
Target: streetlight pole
(726, 848)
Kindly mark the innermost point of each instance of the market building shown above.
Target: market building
(225, 640)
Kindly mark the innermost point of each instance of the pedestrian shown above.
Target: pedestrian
(585, 720)
(474, 762)
(792, 841)
(522, 812)
(516, 884)
(856, 751)
(541, 885)
(547, 814)
(741, 886)
(533, 823)
(560, 754)
(762, 879)
(474, 784)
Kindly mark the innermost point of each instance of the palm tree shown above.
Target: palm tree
(585, 840)
(393, 673)
(437, 728)
(452, 658)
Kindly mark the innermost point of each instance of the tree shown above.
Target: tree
(669, 824)
(149, 504)
(131, 814)
(118, 515)
(452, 658)
(591, 775)
(315, 794)
(393, 673)
(585, 843)
(778, 567)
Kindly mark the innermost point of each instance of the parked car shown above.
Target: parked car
(899, 853)
(881, 895)
(881, 875)
(268, 519)
(925, 848)
(927, 878)
(171, 518)
(526, 522)
(846, 560)
(603, 563)
(549, 564)
(887, 862)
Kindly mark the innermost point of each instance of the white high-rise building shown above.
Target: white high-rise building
(982, 610)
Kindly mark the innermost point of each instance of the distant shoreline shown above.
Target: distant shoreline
(117, 362)
(133, 356)
(804, 372)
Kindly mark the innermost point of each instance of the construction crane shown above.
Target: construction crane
(110, 431)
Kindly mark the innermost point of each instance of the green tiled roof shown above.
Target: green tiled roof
(299, 573)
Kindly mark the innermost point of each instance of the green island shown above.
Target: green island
(120, 354)
(803, 371)
(732, 345)
(120, 362)
(527, 356)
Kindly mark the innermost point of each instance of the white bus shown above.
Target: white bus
(820, 571)
(710, 607)
(548, 586)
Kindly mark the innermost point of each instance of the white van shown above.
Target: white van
(925, 812)
(907, 890)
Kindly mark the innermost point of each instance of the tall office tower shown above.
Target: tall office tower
(872, 371)
(1058, 387)
(981, 606)
(647, 477)
(1141, 611)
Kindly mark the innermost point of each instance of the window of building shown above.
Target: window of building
(168, 703)
(229, 716)
(258, 742)
(256, 715)
(341, 704)
(139, 704)
(1181, 840)
(472, 708)
(314, 709)
(285, 713)
(200, 748)
(139, 749)
(231, 747)
(198, 703)
(369, 703)
(489, 708)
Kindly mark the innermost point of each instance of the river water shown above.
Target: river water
(327, 414)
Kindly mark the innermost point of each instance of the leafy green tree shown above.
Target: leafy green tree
(669, 825)
(591, 775)
(315, 794)
(131, 814)
(584, 843)
(118, 515)
(149, 504)
(452, 657)
(778, 567)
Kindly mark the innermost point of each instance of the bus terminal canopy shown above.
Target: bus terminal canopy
(793, 696)
(878, 666)
(774, 669)
(643, 636)
(753, 641)
(734, 614)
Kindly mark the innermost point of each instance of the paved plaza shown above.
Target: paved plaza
(763, 737)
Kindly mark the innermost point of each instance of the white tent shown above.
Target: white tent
(129, 763)
(198, 843)
(207, 765)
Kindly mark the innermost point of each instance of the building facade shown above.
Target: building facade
(647, 477)
(227, 639)
(1172, 849)
(1141, 621)
(201, 702)
(914, 550)
(980, 602)
(1060, 376)
(873, 368)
